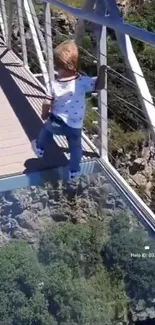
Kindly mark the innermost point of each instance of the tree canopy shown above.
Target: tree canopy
(74, 277)
(61, 283)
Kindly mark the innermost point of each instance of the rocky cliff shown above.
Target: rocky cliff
(26, 212)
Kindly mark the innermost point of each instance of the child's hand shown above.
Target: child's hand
(100, 84)
(46, 106)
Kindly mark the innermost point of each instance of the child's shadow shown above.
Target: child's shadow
(54, 157)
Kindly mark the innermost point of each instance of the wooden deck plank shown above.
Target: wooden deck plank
(18, 149)
(15, 145)
(20, 121)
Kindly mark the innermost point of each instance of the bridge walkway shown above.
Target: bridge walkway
(21, 99)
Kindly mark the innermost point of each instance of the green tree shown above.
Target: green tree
(77, 246)
(20, 276)
(80, 301)
(76, 277)
(61, 284)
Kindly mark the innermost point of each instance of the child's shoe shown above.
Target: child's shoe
(39, 152)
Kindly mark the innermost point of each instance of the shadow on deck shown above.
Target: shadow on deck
(31, 123)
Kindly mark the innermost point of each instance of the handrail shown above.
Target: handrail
(135, 32)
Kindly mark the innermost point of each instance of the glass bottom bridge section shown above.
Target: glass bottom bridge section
(21, 97)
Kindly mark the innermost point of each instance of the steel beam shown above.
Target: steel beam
(135, 32)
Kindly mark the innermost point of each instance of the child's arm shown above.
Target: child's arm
(94, 83)
(46, 107)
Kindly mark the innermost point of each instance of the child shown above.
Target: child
(65, 112)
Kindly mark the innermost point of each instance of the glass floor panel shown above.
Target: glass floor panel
(73, 253)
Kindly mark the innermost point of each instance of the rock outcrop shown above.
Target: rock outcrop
(26, 212)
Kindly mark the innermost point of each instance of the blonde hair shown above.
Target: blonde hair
(66, 56)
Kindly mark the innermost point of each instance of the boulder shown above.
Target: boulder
(138, 165)
(6, 228)
(60, 217)
(26, 220)
(110, 204)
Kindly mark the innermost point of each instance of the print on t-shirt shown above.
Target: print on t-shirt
(69, 99)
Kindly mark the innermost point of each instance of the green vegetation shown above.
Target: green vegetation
(129, 140)
(74, 3)
(91, 115)
(62, 283)
(75, 277)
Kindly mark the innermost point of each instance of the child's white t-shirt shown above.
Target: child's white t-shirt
(69, 99)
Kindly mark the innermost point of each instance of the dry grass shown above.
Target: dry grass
(72, 3)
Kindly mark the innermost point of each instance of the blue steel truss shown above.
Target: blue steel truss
(108, 21)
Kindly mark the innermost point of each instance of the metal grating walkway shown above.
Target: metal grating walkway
(20, 121)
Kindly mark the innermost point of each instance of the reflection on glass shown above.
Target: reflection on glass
(74, 254)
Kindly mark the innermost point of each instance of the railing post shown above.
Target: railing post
(49, 44)
(37, 45)
(36, 23)
(10, 20)
(2, 24)
(22, 31)
(102, 94)
(4, 20)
